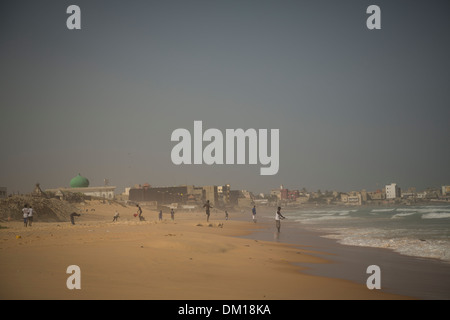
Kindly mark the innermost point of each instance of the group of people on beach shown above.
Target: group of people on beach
(278, 215)
(141, 217)
(28, 215)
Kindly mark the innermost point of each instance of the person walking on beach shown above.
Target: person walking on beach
(30, 216)
(172, 214)
(160, 215)
(208, 206)
(226, 215)
(25, 215)
(278, 218)
(116, 216)
(254, 214)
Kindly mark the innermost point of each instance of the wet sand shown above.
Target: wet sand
(411, 276)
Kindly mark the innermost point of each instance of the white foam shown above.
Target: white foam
(401, 215)
(379, 238)
(321, 219)
(426, 209)
(383, 210)
(438, 215)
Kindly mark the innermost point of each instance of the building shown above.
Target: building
(302, 199)
(393, 191)
(376, 195)
(445, 190)
(223, 193)
(180, 194)
(352, 198)
(235, 195)
(211, 194)
(80, 184)
(284, 194)
(163, 195)
(3, 192)
(293, 195)
(276, 193)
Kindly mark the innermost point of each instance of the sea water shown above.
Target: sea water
(420, 231)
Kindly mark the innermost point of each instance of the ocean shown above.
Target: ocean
(419, 231)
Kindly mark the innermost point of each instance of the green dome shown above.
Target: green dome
(79, 182)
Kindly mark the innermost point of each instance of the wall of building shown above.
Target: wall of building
(392, 191)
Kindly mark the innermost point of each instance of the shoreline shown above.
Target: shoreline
(185, 259)
(419, 278)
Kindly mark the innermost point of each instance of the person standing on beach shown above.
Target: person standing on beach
(116, 216)
(208, 206)
(172, 214)
(254, 214)
(226, 215)
(30, 216)
(278, 218)
(160, 215)
(139, 212)
(25, 215)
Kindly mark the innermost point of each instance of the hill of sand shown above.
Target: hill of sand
(47, 210)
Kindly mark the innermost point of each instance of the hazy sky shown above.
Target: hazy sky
(356, 108)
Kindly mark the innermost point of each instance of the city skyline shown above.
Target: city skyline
(355, 108)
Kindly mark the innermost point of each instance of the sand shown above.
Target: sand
(183, 259)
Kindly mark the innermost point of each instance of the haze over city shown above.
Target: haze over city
(355, 108)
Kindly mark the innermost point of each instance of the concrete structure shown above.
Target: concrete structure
(445, 190)
(393, 191)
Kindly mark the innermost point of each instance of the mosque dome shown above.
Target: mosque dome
(79, 182)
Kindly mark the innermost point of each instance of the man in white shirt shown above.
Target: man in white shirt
(278, 218)
(25, 215)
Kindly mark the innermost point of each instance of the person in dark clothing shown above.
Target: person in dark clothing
(139, 212)
(208, 206)
(116, 216)
(72, 215)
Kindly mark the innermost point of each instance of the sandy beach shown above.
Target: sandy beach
(183, 259)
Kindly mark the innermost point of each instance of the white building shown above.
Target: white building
(392, 191)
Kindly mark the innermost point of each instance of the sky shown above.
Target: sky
(355, 108)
